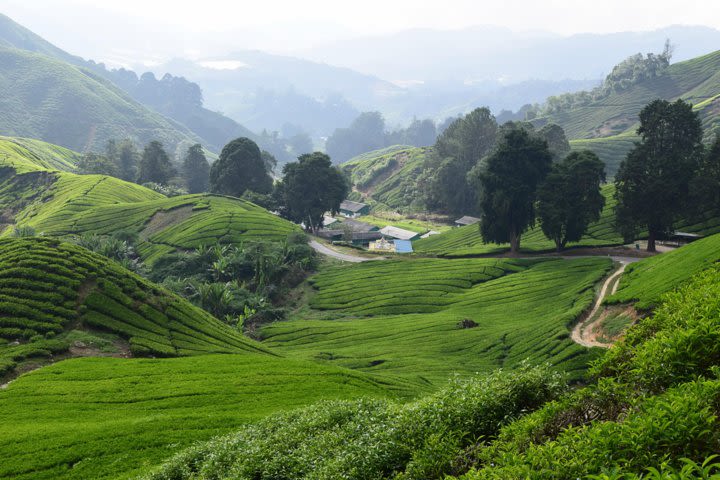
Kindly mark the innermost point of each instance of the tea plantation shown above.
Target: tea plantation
(60, 204)
(92, 418)
(427, 320)
(48, 287)
(646, 281)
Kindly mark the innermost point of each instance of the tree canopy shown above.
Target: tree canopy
(570, 198)
(155, 165)
(309, 188)
(196, 169)
(457, 150)
(240, 167)
(508, 186)
(652, 184)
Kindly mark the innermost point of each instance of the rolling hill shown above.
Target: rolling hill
(48, 288)
(388, 178)
(59, 103)
(425, 319)
(173, 97)
(62, 203)
(608, 125)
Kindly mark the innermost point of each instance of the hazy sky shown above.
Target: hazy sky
(156, 29)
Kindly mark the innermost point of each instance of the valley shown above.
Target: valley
(258, 265)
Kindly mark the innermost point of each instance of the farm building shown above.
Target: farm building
(354, 209)
(403, 246)
(396, 233)
(328, 220)
(429, 234)
(466, 220)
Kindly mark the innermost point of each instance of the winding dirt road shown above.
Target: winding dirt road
(325, 250)
(582, 333)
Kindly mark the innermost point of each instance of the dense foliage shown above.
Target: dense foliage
(371, 439)
(309, 188)
(570, 198)
(652, 185)
(155, 165)
(508, 186)
(240, 167)
(196, 170)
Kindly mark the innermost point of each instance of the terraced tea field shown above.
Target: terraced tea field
(428, 320)
(644, 282)
(112, 418)
(59, 203)
(27, 154)
(48, 287)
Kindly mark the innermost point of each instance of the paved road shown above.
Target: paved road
(325, 250)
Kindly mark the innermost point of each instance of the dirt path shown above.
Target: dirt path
(583, 331)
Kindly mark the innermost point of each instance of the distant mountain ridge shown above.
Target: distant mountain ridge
(166, 96)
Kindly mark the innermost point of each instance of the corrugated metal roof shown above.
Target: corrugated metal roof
(467, 220)
(398, 233)
(351, 206)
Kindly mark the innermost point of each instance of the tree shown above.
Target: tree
(239, 168)
(127, 160)
(309, 188)
(508, 186)
(155, 165)
(457, 150)
(705, 190)
(557, 142)
(196, 169)
(269, 161)
(366, 133)
(95, 163)
(570, 197)
(652, 183)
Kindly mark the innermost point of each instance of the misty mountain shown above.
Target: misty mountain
(494, 56)
(171, 96)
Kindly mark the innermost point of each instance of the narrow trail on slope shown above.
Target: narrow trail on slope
(583, 331)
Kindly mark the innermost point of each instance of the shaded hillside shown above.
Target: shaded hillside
(54, 101)
(174, 97)
(388, 177)
(48, 288)
(608, 125)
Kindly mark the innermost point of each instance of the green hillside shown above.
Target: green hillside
(114, 418)
(389, 177)
(425, 319)
(608, 125)
(646, 281)
(60, 203)
(66, 105)
(27, 154)
(48, 288)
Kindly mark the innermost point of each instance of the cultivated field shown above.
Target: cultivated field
(428, 320)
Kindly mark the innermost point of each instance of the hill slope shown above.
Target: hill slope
(27, 154)
(62, 203)
(388, 177)
(48, 287)
(49, 99)
(113, 418)
(608, 125)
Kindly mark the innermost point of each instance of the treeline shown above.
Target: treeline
(368, 132)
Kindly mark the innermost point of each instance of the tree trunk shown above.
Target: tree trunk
(651, 242)
(514, 243)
